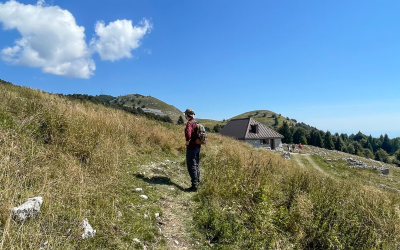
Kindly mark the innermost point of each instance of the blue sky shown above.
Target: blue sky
(334, 65)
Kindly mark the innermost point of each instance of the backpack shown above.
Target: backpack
(201, 135)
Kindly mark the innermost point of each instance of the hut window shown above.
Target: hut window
(254, 128)
(265, 141)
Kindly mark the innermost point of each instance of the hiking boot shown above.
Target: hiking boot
(191, 189)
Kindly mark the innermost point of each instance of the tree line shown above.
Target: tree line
(382, 149)
(4, 82)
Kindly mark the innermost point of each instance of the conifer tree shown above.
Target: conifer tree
(276, 121)
(298, 133)
(339, 144)
(314, 138)
(285, 131)
(395, 144)
(372, 143)
(319, 142)
(369, 146)
(180, 120)
(386, 145)
(328, 143)
(359, 136)
(345, 138)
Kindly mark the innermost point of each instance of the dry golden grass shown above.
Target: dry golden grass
(253, 199)
(71, 154)
(80, 158)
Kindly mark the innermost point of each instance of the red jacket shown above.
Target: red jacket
(190, 134)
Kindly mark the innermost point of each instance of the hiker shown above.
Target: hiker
(288, 148)
(300, 147)
(293, 147)
(192, 150)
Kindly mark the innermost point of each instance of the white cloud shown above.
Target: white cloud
(117, 39)
(51, 39)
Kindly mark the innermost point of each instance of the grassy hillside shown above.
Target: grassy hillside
(266, 117)
(148, 102)
(80, 158)
(87, 160)
(210, 123)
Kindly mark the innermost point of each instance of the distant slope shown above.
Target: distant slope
(210, 123)
(149, 104)
(106, 98)
(266, 117)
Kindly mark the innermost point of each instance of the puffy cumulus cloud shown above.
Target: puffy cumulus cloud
(51, 39)
(118, 38)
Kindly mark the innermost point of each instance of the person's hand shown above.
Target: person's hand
(187, 143)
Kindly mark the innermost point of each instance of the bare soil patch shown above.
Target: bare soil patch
(174, 222)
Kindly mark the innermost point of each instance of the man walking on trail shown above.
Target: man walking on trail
(192, 150)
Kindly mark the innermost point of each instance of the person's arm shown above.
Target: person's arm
(188, 132)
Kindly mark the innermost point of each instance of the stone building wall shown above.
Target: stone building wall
(257, 143)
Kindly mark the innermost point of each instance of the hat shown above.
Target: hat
(189, 112)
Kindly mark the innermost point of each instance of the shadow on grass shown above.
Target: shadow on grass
(159, 180)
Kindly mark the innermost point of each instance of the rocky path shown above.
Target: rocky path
(175, 223)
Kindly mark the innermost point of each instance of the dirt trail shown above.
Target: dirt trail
(315, 165)
(175, 222)
(297, 160)
(298, 157)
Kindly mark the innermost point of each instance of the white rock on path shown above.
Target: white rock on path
(138, 189)
(144, 196)
(27, 210)
(88, 231)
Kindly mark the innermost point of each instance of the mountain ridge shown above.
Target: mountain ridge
(148, 104)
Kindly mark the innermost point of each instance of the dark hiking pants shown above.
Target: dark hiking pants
(192, 161)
